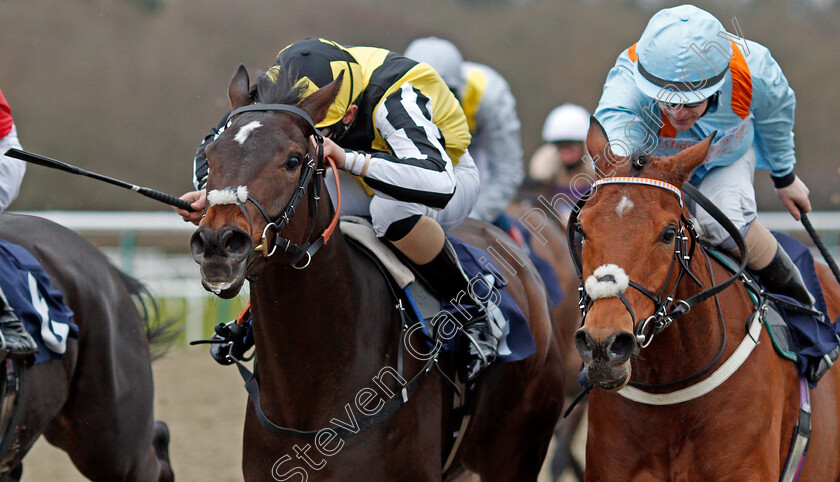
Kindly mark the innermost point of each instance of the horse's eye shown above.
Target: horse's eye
(292, 163)
(668, 234)
(580, 232)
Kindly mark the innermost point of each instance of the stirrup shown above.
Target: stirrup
(816, 370)
(24, 352)
(232, 340)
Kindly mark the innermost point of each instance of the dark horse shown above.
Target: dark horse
(325, 334)
(538, 214)
(633, 228)
(96, 402)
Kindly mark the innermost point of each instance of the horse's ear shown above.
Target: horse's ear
(238, 89)
(598, 146)
(318, 103)
(683, 163)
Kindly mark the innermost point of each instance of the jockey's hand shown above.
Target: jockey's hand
(332, 151)
(198, 201)
(795, 195)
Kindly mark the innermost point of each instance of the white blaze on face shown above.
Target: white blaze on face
(245, 131)
(623, 206)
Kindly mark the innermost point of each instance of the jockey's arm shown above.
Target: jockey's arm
(498, 137)
(198, 198)
(625, 113)
(11, 170)
(200, 168)
(419, 169)
(773, 106)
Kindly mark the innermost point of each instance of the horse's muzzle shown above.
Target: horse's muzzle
(607, 361)
(223, 256)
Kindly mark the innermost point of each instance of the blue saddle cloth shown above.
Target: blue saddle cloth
(812, 337)
(42, 309)
(517, 342)
(546, 271)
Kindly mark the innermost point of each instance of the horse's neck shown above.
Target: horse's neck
(693, 340)
(317, 330)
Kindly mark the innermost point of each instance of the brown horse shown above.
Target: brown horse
(741, 430)
(538, 215)
(327, 337)
(96, 402)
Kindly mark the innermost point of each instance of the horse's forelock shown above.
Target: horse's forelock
(278, 88)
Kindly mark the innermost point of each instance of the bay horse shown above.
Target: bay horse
(634, 231)
(326, 335)
(95, 403)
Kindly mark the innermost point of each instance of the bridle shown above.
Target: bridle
(312, 171)
(667, 308)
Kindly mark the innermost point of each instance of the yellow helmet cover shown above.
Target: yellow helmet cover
(316, 63)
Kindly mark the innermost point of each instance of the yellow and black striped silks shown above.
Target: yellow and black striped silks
(374, 74)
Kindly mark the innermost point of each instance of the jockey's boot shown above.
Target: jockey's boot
(783, 277)
(16, 342)
(480, 344)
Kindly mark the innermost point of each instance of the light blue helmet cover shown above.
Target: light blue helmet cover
(683, 55)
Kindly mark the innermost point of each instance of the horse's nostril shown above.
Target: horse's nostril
(237, 242)
(622, 347)
(198, 244)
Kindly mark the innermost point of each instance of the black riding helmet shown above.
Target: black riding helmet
(318, 62)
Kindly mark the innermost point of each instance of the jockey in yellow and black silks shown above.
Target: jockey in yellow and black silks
(399, 137)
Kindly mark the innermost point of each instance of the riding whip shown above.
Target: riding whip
(54, 164)
(817, 241)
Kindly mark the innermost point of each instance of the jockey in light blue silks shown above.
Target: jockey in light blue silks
(686, 78)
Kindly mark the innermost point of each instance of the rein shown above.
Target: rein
(667, 308)
(312, 172)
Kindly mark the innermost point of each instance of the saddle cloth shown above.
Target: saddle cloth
(811, 338)
(522, 236)
(797, 336)
(517, 342)
(41, 308)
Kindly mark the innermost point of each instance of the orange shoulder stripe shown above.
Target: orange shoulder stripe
(667, 130)
(631, 52)
(741, 83)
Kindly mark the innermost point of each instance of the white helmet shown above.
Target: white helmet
(442, 55)
(568, 122)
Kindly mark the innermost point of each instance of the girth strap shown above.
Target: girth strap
(801, 436)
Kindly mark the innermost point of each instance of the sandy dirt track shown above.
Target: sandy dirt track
(204, 405)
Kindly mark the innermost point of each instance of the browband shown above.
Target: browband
(274, 107)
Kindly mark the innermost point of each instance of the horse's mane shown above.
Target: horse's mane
(277, 86)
